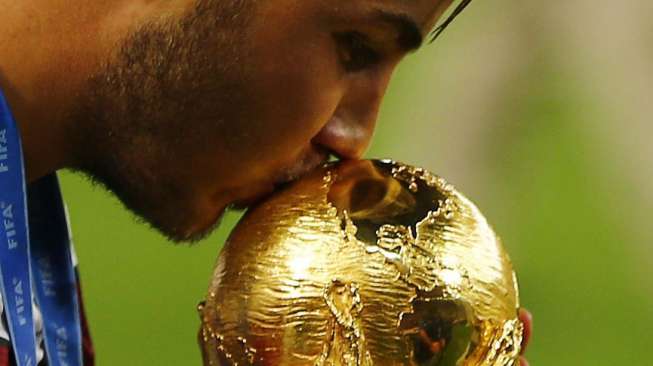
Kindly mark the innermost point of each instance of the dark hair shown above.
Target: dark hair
(439, 29)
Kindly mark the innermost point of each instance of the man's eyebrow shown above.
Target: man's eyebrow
(410, 36)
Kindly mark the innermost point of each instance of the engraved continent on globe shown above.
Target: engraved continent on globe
(363, 263)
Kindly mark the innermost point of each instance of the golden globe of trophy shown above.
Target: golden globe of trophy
(363, 263)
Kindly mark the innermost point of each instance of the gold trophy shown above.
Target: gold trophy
(363, 263)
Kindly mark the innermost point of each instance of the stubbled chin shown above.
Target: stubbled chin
(252, 201)
(203, 224)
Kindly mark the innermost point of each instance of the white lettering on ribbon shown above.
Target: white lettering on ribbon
(8, 223)
(47, 277)
(62, 345)
(3, 151)
(19, 297)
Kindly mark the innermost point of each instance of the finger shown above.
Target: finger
(527, 318)
(522, 361)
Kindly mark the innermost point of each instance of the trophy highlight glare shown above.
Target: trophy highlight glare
(363, 263)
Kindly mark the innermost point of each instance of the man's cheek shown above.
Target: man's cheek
(306, 80)
(295, 114)
(316, 100)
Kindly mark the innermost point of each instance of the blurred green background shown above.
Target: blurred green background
(539, 111)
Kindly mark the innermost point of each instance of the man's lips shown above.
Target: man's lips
(314, 158)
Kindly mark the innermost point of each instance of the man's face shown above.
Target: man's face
(218, 108)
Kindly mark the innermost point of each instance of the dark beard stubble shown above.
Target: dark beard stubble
(158, 102)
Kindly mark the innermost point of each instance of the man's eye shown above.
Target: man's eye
(355, 53)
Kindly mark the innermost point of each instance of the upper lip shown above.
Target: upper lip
(313, 158)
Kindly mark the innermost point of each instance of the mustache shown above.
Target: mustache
(315, 156)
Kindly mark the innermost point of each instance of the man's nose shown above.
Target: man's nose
(349, 131)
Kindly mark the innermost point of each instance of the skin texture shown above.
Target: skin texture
(184, 108)
(185, 111)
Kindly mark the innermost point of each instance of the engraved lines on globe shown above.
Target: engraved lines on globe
(467, 241)
(388, 228)
(363, 263)
(345, 344)
(463, 239)
(412, 239)
(217, 341)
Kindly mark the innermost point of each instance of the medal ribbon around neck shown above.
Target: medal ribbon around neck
(39, 256)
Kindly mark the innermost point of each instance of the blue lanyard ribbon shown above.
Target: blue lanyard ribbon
(38, 254)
